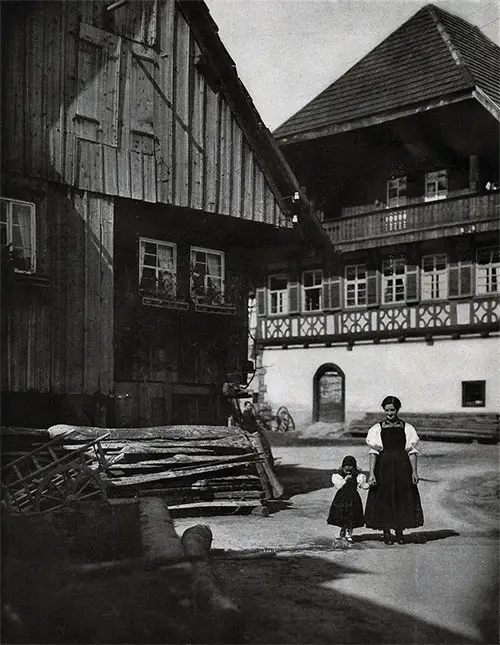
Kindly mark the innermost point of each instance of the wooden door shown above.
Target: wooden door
(329, 394)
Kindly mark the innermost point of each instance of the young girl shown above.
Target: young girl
(346, 510)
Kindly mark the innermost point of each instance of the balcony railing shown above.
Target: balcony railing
(462, 212)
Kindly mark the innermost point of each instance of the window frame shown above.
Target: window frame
(281, 293)
(355, 281)
(435, 273)
(491, 270)
(400, 185)
(315, 287)
(482, 384)
(386, 279)
(205, 297)
(433, 177)
(9, 201)
(173, 246)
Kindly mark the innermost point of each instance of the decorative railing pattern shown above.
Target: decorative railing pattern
(457, 211)
(419, 319)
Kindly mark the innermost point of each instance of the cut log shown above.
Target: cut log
(186, 433)
(173, 474)
(183, 460)
(276, 487)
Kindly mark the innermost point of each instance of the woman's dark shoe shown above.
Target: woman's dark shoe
(388, 539)
(400, 538)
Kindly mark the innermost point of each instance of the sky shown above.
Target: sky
(288, 51)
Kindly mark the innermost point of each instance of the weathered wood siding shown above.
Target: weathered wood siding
(114, 103)
(60, 333)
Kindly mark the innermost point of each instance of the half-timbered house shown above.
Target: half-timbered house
(141, 194)
(401, 155)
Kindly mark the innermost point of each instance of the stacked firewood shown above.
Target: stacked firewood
(195, 466)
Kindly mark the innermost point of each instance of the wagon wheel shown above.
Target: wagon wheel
(284, 419)
(73, 484)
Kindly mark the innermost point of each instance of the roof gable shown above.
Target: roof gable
(433, 54)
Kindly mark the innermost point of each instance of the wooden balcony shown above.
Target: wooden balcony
(479, 315)
(415, 222)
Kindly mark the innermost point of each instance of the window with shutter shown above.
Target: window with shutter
(488, 270)
(394, 280)
(355, 285)
(96, 117)
(17, 228)
(434, 277)
(332, 297)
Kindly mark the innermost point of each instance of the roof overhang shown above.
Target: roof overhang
(384, 117)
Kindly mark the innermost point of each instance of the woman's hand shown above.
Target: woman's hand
(414, 478)
(372, 481)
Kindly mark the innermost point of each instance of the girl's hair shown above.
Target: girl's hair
(391, 400)
(349, 460)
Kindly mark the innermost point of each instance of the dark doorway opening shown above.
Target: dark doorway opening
(329, 394)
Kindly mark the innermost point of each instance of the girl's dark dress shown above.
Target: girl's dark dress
(395, 501)
(346, 508)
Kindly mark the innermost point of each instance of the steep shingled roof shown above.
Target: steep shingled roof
(432, 55)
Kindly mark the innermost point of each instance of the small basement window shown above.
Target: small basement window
(473, 394)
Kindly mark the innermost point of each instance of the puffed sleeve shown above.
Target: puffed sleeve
(337, 480)
(412, 439)
(374, 440)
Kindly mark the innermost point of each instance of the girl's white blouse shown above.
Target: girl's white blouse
(374, 439)
(338, 481)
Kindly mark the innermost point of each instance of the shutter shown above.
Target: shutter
(371, 287)
(335, 293)
(411, 283)
(141, 79)
(261, 301)
(465, 278)
(453, 279)
(326, 294)
(293, 297)
(98, 85)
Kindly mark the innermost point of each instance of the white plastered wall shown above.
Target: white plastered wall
(427, 378)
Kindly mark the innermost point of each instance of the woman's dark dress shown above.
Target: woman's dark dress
(394, 502)
(347, 509)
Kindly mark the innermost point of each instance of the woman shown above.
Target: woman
(393, 499)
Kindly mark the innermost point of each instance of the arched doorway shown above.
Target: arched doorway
(329, 394)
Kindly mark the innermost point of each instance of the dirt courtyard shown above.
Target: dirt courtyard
(440, 587)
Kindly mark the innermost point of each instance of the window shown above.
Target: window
(18, 232)
(393, 280)
(157, 268)
(473, 394)
(207, 275)
(436, 185)
(434, 277)
(396, 192)
(355, 285)
(488, 270)
(278, 294)
(312, 286)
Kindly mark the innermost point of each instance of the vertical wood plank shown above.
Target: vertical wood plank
(106, 309)
(258, 193)
(248, 182)
(237, 169)
(211, 148)
(92, 299)
(181, 79)
(164, 115)
(197, 131)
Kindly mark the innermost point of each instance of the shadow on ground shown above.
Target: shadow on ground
(286, 600)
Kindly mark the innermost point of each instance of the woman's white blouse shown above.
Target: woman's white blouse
(374, 439)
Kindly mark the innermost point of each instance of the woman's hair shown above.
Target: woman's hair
(391, 400)
(349, 460)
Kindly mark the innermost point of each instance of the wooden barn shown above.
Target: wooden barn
(401, 155)
(141, 199)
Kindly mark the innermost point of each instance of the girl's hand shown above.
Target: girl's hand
(372, 480)
(414, 478)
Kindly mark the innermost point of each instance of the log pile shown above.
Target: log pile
(188, 466)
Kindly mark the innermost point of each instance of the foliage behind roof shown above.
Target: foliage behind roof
(433, 55)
